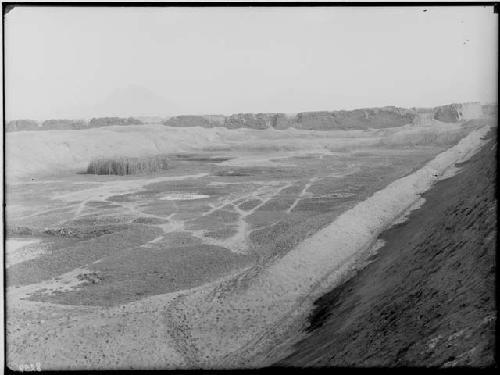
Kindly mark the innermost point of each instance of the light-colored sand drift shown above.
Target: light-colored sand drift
(38, 153)
(116, 187)
(239, 242)
(183, 197)
(20, 250)
(64, 282)
(303, 193)
(243, 325)
(434, 133)
(35, 154)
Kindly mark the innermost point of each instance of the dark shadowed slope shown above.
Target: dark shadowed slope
(428, 299)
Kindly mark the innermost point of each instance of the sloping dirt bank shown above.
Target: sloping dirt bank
(428, 297)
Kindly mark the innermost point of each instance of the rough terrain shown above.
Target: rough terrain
(365, 118)
(214, 262)
(428, 298)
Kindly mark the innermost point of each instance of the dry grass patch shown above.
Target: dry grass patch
(128, 166)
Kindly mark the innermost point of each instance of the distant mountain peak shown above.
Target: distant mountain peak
(132, 100)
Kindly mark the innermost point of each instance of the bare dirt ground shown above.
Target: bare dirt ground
(153, 271)
(143, 236)
(428, 298)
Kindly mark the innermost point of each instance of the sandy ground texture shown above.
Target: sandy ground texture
(138, 236)
(428, 297)
(206, 265)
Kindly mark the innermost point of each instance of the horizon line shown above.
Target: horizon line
(86, 118)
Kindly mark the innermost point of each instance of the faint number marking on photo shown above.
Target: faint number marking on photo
(30, 367)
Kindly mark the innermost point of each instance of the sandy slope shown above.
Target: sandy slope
(33, 154)
(428, 298)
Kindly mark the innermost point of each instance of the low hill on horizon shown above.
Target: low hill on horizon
(364, 118)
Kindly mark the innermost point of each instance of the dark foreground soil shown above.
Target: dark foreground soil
(428, 299)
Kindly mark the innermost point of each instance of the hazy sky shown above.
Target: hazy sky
(81, 62)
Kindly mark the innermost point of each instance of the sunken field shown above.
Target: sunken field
(175, 246)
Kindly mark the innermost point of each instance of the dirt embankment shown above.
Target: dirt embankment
(64, 124)
(428, 298)
(322, 120)
(365, 118)
(16, 125)
(458, 112)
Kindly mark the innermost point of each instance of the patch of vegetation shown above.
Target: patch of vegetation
(128, 166)
(148, 220)
(85, 232)
(90, 277)
(200, 158)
